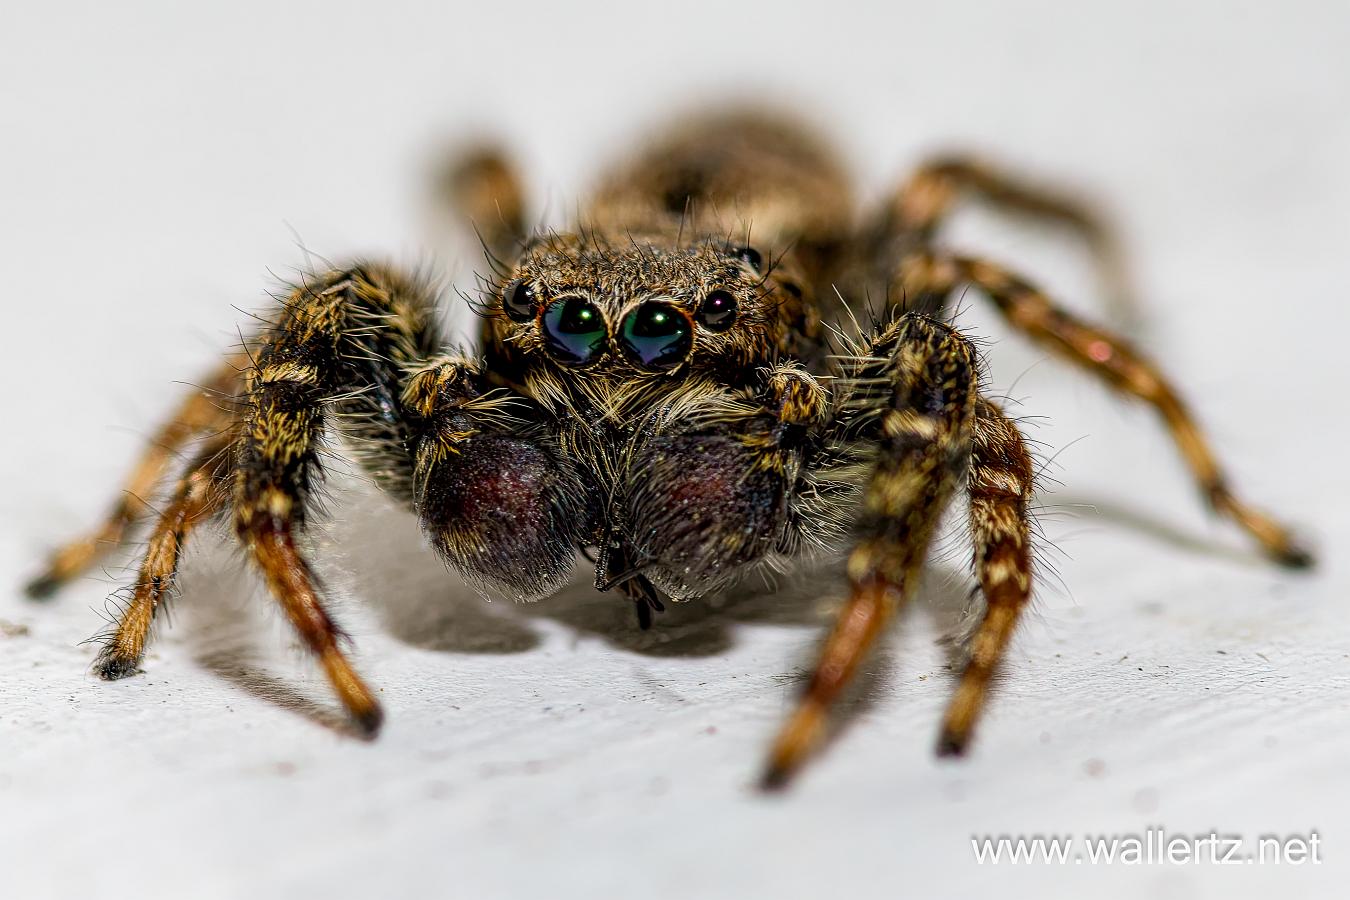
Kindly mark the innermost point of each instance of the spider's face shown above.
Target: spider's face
(637, 352)
(578, 305)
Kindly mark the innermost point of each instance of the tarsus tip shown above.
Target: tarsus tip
(368, 722)
(775, 779)
(1295, 556)
(42, 587)
(951, 745)
(112, 668)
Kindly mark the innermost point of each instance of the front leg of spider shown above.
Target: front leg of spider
(921, 430)
(303, 364)
(335, 359)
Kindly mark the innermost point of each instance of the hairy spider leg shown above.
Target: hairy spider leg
(927, 200)
(482, 185)
(344, 341)
(1116, 363)
(922, 451)
(200, 492)
(205, 409)
(1000, 483)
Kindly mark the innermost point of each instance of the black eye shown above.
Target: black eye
(574, 330)
(656, 336)
(750, 256)
(520, 300)
(718, 311)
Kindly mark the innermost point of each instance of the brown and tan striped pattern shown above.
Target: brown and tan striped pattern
(923, 452)
(206, 410)
(199, 494)
(1000, 485)
(342, 343)
(1115, 362)
(937, 188)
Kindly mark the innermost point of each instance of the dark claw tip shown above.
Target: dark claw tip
(42, 587)
(112, 668)
(1296, 557)
(949, 745)
(774, 780)
(369, 721)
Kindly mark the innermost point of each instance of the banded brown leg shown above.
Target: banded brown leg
(205, 409)
(1000, 485)
(1111, 359)
(200, 493)
(923, 450)
(936, 189)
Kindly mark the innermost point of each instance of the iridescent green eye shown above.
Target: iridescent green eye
(656, 336)
(574, 331)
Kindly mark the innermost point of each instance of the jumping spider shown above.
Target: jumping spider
(670, 388)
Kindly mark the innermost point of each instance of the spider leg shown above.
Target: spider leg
(927, 200)
(922, 433)
(196, 497)
(1115, 362)
(200, 411)
(484, 187)
(337, 354)
(1000, 486)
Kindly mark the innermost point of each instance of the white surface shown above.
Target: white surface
(155, 159)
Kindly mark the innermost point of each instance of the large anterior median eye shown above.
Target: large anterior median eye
(656, 336)
(574, 330)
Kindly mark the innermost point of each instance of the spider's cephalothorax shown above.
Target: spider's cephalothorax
(651, 361)
(655, 390)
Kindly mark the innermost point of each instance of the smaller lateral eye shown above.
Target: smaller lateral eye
(718, 310)
(520, 300)
(750, 256)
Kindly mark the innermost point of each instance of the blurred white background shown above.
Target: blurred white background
(159, 160)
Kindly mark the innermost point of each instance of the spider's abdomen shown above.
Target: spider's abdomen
(737, 173)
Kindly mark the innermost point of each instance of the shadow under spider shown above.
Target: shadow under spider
(240, 668)
(223, 628)
(422, 603)
(1141, 520)
(418, 601)
(415, 599)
